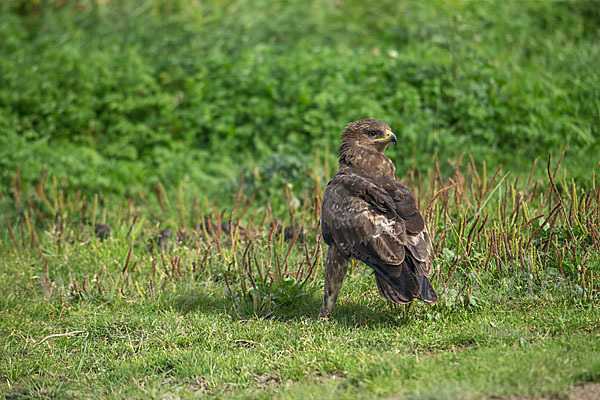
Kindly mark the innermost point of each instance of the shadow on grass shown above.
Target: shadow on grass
(203, 302)
(346, 313)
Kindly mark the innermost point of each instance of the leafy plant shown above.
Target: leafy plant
(89, 92)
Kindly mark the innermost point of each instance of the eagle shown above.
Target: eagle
(368, 215)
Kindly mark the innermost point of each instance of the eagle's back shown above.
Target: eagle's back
(361, 228)
(376, 220)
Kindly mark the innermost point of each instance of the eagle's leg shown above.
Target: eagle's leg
(407, 309)
(336, 266)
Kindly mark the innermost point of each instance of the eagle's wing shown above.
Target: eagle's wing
(418, 240)
(359, 217)
(377, 223)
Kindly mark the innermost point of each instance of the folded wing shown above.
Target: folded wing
(379, 224)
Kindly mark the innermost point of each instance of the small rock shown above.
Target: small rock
(102, 231)
(161, 241)
(288, 231)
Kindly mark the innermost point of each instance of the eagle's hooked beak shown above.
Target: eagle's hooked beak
(389, 137)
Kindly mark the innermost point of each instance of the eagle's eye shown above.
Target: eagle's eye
(372, 133)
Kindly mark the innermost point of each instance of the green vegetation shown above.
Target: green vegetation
(229, 308)
(219, 120)
(116, 96)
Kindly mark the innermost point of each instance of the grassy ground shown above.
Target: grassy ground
(187, 344)
(218, 120)
(91, 92)
(231, 313)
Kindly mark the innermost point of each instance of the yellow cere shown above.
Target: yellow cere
(388, 133)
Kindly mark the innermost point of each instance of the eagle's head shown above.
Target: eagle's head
(368, 133)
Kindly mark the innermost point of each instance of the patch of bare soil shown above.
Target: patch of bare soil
(197, 383)
(267, 380)
(330, 375)
(526, 398)
(589, 391)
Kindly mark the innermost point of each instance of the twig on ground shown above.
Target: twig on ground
(55, 335)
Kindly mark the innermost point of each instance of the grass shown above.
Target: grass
(231, 313)
(133, 349)
(91, 93)
(200, 145)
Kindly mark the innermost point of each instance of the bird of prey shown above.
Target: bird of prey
(370, 216)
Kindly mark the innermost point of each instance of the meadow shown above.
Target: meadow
(161, 171)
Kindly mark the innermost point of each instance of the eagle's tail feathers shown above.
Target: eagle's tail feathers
(405, 285)
(387, 292)
(427, 293)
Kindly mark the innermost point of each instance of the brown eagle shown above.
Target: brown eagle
(367, 214)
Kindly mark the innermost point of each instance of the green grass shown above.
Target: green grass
(235, 316)
(191, 342)
(90, 91)
(148, 114)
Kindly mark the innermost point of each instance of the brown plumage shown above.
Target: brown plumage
(368, 215)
